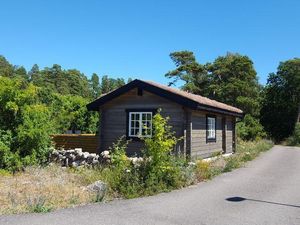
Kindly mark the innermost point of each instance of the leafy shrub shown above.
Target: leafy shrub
(250, 129)
(8, 159)
(162, 169)
(158, 169)
(33, 134)
(295, 138)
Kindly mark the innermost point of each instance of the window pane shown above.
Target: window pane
(132, 132)
(211, 125)
(144, 116)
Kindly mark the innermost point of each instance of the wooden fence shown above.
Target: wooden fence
(88, 142)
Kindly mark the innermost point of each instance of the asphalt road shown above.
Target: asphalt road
(266, 191)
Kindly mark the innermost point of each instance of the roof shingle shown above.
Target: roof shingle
(174, 94)
(197, 98)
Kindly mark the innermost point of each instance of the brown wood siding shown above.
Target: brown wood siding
(88, 142)
(201, 148)
(229, 133)
(113, 126)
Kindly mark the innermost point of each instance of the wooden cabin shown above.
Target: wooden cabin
(206, 126)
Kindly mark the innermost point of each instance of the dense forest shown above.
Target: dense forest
(40, 102)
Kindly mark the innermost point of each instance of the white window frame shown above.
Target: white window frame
(140, 128)
(211, 128)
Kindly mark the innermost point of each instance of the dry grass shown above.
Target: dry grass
(41, 190)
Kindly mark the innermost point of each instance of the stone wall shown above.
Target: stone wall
(74, 158)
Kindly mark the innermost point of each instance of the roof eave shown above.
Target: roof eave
(218, 110)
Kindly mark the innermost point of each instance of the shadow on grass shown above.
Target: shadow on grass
(241, 199)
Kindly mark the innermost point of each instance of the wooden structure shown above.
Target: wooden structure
(88, 142)
(207, 126)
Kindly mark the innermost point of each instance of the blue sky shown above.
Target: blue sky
(134, 38)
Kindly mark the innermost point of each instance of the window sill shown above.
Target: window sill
(209, 140)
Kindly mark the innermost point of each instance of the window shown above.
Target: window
(140, 124)
(211, 128)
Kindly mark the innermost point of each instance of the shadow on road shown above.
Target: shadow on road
(240, 199)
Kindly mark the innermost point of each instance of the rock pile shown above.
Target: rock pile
(74, 158)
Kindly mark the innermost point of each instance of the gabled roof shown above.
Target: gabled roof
(192, 101)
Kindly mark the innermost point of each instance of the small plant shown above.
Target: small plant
(232, 162)
(206, 170)
(38, 204)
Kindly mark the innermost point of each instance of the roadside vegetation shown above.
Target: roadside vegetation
(42, 189)
(294, 139)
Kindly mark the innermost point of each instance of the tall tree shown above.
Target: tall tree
(290, 70)
(6, 69)
(34, 74)
(20, 72)
(95, 85)
(234, 81)
(230, 79)
(281, 100)
(188, 70)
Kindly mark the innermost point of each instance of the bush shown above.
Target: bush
(295, 138)
(157, 170)
(33, 134)
(8, 159)
(250, 129)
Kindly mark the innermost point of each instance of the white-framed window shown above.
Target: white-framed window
(211, 128)
(140, 124)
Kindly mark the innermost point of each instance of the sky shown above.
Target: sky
(134, 38)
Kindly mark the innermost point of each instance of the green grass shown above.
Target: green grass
(246, 151)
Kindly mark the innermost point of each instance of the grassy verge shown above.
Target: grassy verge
(246, 151)
(42, 189)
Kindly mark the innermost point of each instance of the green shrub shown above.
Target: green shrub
(295, 138)
(162, 169)
(250, 129)
(158, 169)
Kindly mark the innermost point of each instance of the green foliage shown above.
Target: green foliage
(38, 205)
(282, 100)
(163, 167)
(230, 79)
(119, 158)
(158, 170)
(109, 84)
(61, 81)
(294, 139)
(249, 129)
(95, 85)
(70, 113)
(33, 134)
